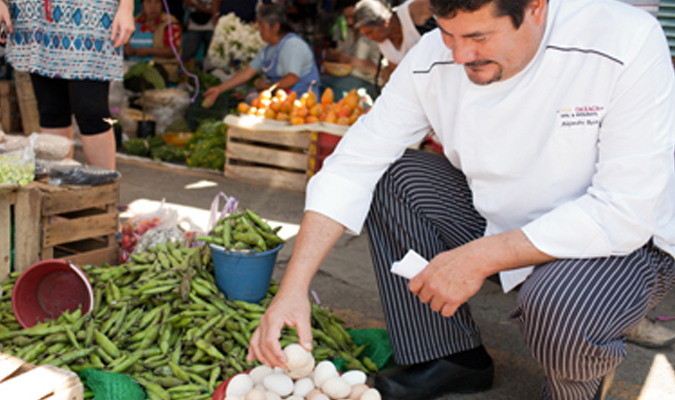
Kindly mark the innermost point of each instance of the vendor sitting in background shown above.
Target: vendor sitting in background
(353, 49)
(286, 61)
(152, 39)
(395, 32)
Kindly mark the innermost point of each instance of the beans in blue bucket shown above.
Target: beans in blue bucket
(243, 231)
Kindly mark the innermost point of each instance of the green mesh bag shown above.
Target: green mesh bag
(378, 347)
(111, 386)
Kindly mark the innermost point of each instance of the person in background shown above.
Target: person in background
(287, 61)
(395, 33)
(175, 8)
(71, 75)
(199, 27)
(354, 49)
(153, 38)
(557, 175)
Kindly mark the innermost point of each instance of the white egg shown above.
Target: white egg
(234, 397)
(357, 391)
(260, 372)
(336, 388)
(272, 396)
(303, 386)
(371, 394)
(255, 394)
(355, 377)
(312, 393)
(294, 398)
(278, 370)
(239, 385)
(280, 384)
(260, 387)
(323, 371)
(297, 356)
(319, 396)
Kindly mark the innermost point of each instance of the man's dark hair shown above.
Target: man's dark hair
(515, 9)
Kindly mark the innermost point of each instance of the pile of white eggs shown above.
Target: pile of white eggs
(301, 380)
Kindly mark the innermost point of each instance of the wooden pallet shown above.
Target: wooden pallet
(271, 158)
(20, 380)
(77, 223)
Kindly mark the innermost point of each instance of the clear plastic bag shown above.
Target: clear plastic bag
(17, 168)
(146, 230)
(229, 208)
(46, 146)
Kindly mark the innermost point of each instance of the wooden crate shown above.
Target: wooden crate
(271, 158)
(19, 208)
(77, 223)
(20, 380)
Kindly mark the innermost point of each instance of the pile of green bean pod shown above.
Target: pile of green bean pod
(161, 319)
(243, 231)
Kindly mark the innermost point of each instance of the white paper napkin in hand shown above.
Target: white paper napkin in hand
(410, 265)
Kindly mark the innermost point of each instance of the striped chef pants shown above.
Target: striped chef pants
(572, 313)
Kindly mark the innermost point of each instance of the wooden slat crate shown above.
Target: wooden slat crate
(272, 158)
(20, 380)
(77, 223)
(19, 208)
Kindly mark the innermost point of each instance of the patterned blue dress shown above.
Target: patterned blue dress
(68, 39)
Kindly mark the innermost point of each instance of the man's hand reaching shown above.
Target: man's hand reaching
(291, 309)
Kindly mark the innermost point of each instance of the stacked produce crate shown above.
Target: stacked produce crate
(40, 221)
(265, 152)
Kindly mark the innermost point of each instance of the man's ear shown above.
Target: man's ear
(537, 9)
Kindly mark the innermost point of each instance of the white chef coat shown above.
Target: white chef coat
(576, 149)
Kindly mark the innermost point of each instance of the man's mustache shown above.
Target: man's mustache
(478, 63)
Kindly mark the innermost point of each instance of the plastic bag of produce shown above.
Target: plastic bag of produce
(46, 146)
(163, 222)
(17, 168)
(81, 175)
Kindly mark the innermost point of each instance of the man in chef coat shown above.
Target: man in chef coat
(558, 130)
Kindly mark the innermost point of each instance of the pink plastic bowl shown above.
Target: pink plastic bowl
(48, 288)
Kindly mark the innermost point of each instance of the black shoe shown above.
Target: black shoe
(432, 379)
(604, 386)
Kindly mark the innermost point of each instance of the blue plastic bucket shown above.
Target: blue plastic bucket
(244, 276)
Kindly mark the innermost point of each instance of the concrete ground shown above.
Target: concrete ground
(346, 282)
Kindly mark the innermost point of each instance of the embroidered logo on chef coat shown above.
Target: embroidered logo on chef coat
(570, 117)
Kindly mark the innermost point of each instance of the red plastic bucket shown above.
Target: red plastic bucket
(48, 288)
